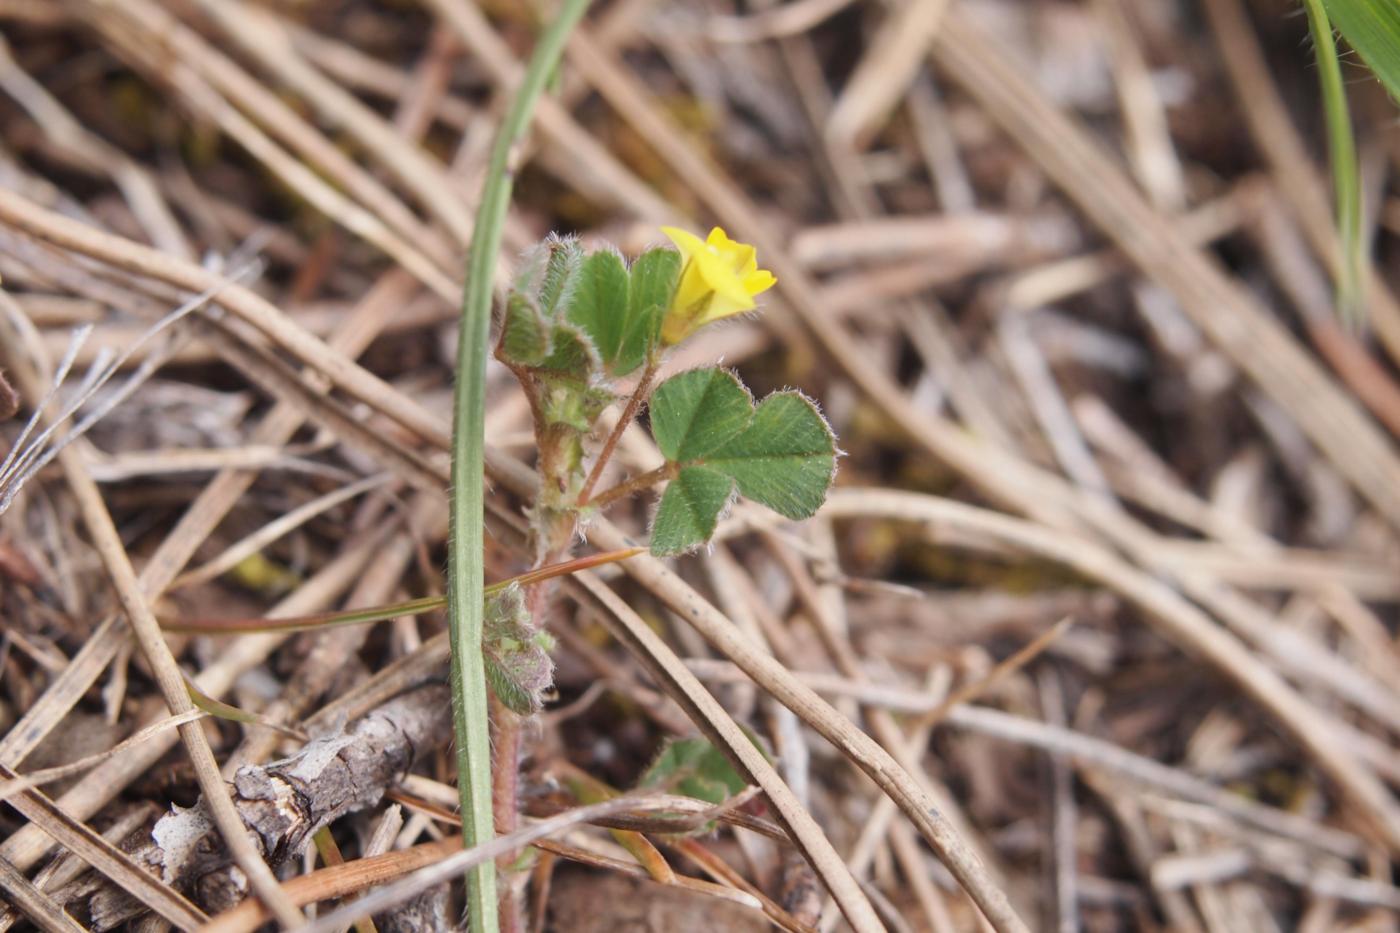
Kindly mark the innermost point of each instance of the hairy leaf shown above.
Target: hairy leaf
(653, 280)
(698, 411)
(524, 334)
(781, 454)
(598, 303)
(786, 459)
(571, 353)
(694, 768)
(560, 273)
(516, 651)
(689, 510)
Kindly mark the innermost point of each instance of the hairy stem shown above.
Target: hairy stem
(465, 582)
(636, 484)
(628, 413)
(505, 781)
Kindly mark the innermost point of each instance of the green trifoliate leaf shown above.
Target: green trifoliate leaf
(786, 459)
(621, 310)
(781, 454)
(516, 651)
(694, 768)
(689, 510)
(653, 280)
(524, 333)
(598, 303)
(697, 412)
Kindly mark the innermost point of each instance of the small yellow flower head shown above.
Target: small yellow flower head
(720, 278)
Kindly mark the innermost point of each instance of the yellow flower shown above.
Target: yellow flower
(720, 278)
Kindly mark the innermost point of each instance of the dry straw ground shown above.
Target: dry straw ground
(1099, 621)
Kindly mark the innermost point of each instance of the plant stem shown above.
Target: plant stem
(465, 582)
(505, 782)
(628, 413)
(1341, 150)
(635, 484)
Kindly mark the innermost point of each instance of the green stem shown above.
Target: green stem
(465, 582)
(1341, 150)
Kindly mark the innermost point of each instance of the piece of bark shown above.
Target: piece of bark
(285, 802)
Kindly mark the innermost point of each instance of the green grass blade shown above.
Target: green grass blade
(1372, 27)
(465, 581)
(1341, 147)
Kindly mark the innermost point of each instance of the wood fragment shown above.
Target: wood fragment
(285, 803)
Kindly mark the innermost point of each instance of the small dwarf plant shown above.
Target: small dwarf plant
(577, 328)
(577, 325)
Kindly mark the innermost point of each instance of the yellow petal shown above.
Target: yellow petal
(740, 256)
(721, 307)
(691, 291)
(687, 242)
(758, 281)
(720, 276)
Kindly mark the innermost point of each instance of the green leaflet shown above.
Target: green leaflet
(524, 333)
(572, 354)
(694, 768)
(781, 454)
(786, 459)
(697, 411)
(598, 304)
(561, 268)
(653, 281)
(586, 317)
(621, 309)
(690, 509)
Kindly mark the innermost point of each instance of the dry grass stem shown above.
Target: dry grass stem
(1060, 276)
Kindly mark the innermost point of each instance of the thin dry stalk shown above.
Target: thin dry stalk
(111, 861)
(1235, 322)
(707, 714)
(1179, 620)
(171, 681)
(35, 904)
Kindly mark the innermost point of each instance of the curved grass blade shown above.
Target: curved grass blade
(470, 714)
(1346, 175)
(221, 710)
